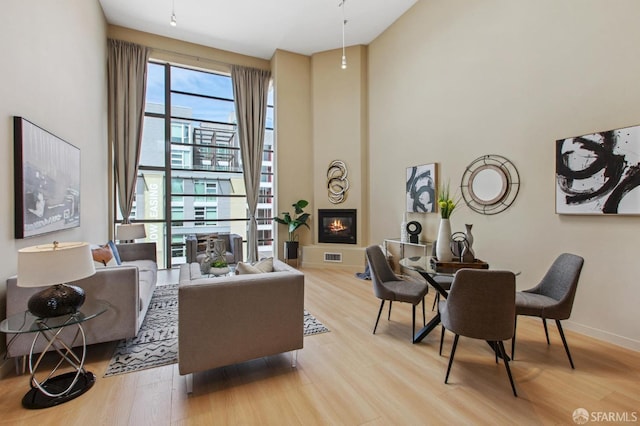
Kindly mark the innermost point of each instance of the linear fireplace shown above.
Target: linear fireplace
(337, 226)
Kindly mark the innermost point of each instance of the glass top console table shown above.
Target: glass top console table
(56, 389)
(424, 245)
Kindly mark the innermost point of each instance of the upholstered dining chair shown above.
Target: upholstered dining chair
(480, 305)
(553, 297)
(388, 286)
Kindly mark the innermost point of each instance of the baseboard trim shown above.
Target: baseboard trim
(605, 336)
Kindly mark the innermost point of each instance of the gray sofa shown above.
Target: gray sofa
(127, 288)
(231, 319)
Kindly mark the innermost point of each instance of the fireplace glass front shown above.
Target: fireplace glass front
(337, 226)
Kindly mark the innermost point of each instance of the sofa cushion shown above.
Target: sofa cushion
(264, 265)
(114, 250)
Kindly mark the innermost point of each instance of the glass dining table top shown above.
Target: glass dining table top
(422, 264)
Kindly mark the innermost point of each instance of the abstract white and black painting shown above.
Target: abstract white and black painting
(599, 173)
(47, 181)
(421, 188)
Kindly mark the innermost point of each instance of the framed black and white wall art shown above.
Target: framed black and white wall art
(47, 181)
(599, 173)
(421, 188)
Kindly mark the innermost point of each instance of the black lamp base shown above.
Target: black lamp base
(60, 299)
(36, 399)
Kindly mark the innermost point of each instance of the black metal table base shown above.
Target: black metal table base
(35, 399)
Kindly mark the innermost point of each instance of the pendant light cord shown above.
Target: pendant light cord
(344, 24)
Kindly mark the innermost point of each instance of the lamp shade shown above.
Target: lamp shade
(56, 263)
(131, 231)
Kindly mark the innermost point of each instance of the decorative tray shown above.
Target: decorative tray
(453, 266)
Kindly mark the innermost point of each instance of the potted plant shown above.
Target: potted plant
(214, 262)
(293, 223)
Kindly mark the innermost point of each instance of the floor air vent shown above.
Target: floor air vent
(333, 257)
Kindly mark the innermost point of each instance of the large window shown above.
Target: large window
(192, 181)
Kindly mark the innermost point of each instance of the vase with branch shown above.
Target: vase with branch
(447, 205)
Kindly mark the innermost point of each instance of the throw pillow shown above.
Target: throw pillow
(264, 265)
(103, 256)
(114, 250)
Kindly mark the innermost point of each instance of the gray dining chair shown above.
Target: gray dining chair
(553, 297)
(481, 305)
(388, 286)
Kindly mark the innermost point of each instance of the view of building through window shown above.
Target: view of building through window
(192, 182)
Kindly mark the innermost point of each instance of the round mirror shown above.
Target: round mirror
(490, 184)
(487, 184)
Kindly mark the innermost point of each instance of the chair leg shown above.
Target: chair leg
(564, 342)
(413, 323)
(435, 300)
(495, 350)
(506, 366)
(389, 315)
(378, 318)
(424, 316)
(441, 340)
(453, 352)
(513, 339)
(546, 330)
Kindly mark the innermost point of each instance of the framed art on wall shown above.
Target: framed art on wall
(421, 188)
(599, 173)
(46, 180)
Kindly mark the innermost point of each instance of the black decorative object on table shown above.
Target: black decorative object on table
(414, 229)
(60, 299)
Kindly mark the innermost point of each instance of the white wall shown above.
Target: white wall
(452, 80)
(54, 74)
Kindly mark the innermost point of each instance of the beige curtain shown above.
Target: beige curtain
(127, 84)
(250, 89)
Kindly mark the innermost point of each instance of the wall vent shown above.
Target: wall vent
(333, 257)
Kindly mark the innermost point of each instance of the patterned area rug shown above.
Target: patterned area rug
(157, 341)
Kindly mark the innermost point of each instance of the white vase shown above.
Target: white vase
(443, 244)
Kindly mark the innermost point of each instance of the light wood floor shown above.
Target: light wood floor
(351, 377)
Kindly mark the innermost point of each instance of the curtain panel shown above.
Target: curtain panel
(250, 91)
(127, 84)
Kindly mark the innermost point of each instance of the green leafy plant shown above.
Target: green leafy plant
(218, 263)
(296, 221)
(446, 203)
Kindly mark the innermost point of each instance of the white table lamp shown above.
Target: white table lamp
(54, 265)
(129, 232)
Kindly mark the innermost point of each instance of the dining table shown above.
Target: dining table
(429, 268)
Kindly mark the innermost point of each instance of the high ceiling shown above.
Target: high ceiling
(259, 27)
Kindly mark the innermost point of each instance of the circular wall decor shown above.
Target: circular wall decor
(490, 184)
(337, 183)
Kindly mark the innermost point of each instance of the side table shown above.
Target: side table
(424, 245)
(54, 390)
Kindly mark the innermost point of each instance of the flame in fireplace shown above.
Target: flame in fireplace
(336, 226)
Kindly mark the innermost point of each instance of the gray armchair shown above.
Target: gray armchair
(197, 245)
